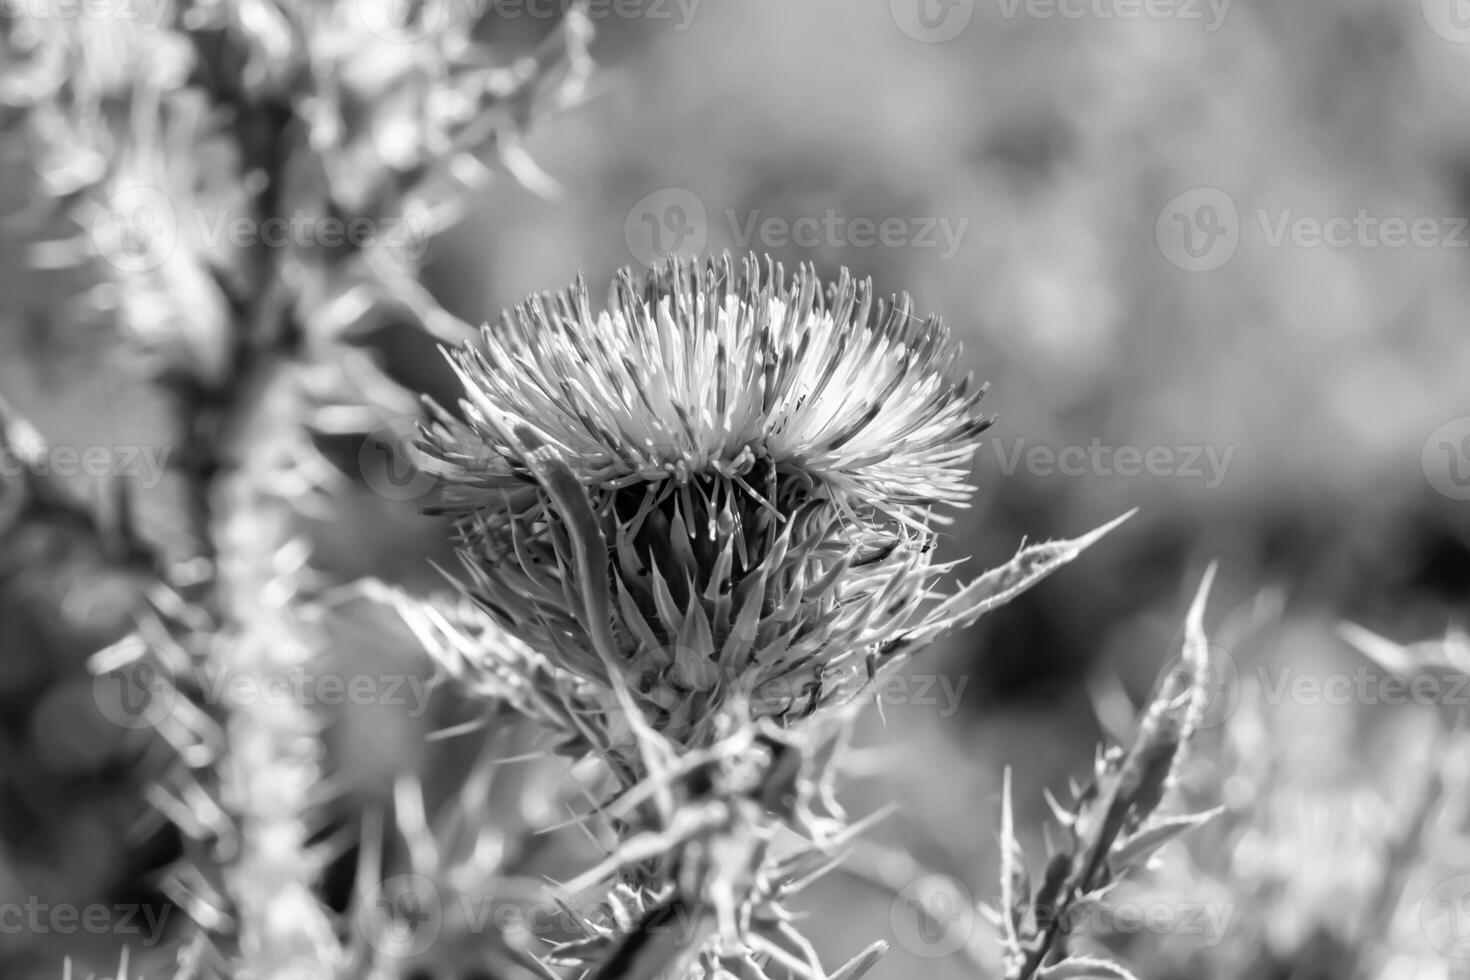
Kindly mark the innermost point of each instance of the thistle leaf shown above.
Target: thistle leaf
(999, 586)
(1451, 653)
(1136, 849)
(1015, 882)
(861, 963)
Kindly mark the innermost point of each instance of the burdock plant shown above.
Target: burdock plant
(709, 511)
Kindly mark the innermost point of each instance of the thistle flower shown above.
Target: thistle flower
(706, 514)
(700, 375)
(718, 488)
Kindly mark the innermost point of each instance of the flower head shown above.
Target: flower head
(717, 489)
(706, 372)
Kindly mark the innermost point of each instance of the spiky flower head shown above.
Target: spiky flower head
(717, 490)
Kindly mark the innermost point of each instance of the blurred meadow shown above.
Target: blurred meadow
(1213, 262)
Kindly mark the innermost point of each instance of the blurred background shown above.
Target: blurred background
(1212, 260)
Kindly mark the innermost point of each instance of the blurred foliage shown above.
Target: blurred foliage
(1058, 142)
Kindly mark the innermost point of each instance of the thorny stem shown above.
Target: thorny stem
(273, 764)
(211, 413)
(272, 754)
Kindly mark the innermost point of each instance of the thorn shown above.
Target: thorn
(1387, 654)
